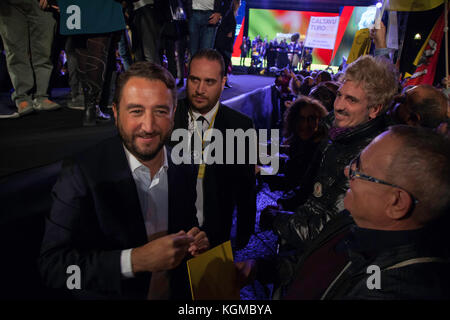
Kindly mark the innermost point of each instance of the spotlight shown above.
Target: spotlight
(418, 36)
(379, 5)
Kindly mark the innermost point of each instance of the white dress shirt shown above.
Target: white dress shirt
(153, 197)
(192, 126)
(203, 5)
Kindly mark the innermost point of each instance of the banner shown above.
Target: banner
(412, 5)
(322, 32)
(428, 56)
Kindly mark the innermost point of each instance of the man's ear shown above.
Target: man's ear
(115, 111)
(375, 111)
(224, 80)
(174, 110)
(413, 119)
(400, 204)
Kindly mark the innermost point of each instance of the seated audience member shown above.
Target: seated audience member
(322, 76)
(295, 83)
(123, 213)
(332, 85)
(302, 134)
(325, 95)
(307, 85)
(394, 246)
(368, 87)
(421, 105)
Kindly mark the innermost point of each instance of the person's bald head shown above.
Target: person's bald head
(413, 163)
(421, 105)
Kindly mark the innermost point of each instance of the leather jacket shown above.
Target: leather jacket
(322, 191)
(413, 264)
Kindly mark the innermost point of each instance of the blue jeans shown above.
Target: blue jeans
(202, 34)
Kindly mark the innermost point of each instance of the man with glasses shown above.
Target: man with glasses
(396, 247)
(368, 86)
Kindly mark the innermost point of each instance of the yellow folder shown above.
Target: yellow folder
(212, 274)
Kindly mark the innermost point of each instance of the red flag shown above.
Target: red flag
(426, 67)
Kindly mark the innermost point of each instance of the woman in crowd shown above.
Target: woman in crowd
(302, 133)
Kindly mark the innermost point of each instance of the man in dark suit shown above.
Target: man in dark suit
(123, 213)
(221, 188)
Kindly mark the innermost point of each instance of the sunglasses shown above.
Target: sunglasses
(353, 172)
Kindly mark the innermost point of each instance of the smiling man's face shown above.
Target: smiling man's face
(351, 106)
(144, 116)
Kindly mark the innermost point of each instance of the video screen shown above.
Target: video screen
(282, 24)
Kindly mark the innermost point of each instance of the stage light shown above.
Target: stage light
(379, 5)
(418, 36)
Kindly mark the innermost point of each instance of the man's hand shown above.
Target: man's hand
(214, 18)
(245, 272)
(200, 243)
(446, 82)
(443, 129)
(164, 253)
(267, 217)
(43, 4)
(379, 36)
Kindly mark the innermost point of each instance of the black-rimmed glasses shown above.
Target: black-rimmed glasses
(355, 173)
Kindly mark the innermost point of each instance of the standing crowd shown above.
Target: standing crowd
(162, 32)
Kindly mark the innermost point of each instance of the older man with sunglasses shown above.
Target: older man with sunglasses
(395, 245)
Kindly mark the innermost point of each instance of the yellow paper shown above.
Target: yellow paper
(212, 274)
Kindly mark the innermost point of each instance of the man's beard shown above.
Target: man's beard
(130, 144)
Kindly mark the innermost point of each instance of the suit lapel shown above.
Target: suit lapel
(181, 115)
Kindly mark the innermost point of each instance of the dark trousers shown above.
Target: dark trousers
(95, 56)
(72, 66)
(146, 34)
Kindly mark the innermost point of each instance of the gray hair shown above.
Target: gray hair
(378, 78)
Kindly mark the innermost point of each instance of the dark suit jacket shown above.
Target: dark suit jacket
(226, 187)
(96, 214)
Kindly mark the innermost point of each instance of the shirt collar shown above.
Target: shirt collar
(208, 116)
(135, 164)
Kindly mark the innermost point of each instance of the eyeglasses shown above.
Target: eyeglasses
(355, 173)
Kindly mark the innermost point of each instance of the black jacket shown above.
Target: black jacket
(321, 193)
(226, 186)
(413, 264)
(96, 214)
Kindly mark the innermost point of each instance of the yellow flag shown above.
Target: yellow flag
(360, 46)
(412, 5)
